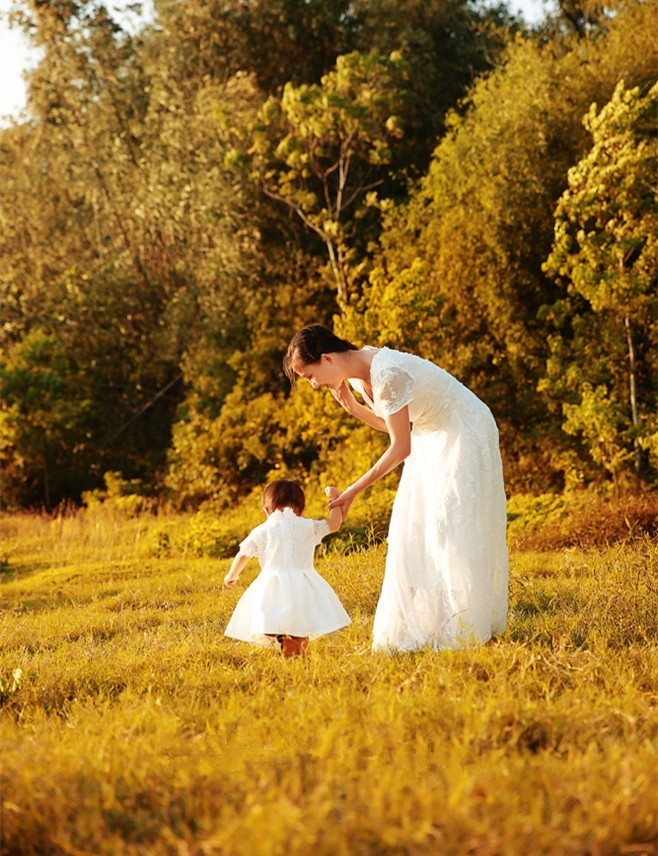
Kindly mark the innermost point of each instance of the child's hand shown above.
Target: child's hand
(344, 500)
(331, 492)
(237, 566)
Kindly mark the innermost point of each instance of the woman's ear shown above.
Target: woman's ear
(327, 359)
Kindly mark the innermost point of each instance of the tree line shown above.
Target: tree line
(431, 175)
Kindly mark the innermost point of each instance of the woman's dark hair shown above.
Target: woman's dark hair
(308, 345)
(283, 494)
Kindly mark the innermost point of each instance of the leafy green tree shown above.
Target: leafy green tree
(605, 357)
(446, 44)
(321, 149)
(123, 231)
(45, 420)
(459, 274)
(584, 18)
(212, 40)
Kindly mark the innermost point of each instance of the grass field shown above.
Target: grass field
(135, 727)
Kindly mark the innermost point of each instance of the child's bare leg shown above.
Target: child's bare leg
(293, 646)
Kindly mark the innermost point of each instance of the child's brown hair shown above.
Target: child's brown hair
(283, 494)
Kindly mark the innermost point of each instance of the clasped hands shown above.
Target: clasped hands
(342, 500)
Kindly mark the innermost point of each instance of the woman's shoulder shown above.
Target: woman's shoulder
(392, 360)
(388, 361)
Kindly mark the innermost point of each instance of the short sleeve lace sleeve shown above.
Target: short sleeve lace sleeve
(320, 529)
(393, 389)
(252, 545)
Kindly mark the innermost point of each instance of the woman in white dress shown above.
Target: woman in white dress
(445, 583)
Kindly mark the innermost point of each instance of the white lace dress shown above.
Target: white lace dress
(288, 596)
(445, 583)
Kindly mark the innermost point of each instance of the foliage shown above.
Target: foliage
(120, 496)
(585, 519)
(320, 149)
(45, 418)
(216, 459)
(133, 235)
(446, 44)
(215, 39)
(149, 731)
(604, 357)
(459, 277)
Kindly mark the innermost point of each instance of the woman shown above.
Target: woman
(445, 583)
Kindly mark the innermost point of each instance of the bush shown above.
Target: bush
(585, 520)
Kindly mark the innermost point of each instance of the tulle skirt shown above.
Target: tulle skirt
(295, 603)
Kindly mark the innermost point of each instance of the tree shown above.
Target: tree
(212, 40)
(459, 275)
(606, 251)
(321, 149)
(45, 420)
(446, 45)
(123, 232)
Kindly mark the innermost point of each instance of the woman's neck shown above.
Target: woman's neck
(357, 363)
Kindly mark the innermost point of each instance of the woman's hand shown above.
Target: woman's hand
(345, 500)
(344, 396)
(230, 579)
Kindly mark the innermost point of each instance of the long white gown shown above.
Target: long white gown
(445, 583)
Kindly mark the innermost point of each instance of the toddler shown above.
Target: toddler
(288, 601)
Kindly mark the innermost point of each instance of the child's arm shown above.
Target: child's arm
(237, 566)
(334, 520)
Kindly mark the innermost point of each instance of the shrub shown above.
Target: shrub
(552, 522)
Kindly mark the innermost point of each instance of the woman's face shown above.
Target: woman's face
(322, 373)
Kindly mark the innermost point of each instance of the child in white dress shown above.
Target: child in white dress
(289, 601)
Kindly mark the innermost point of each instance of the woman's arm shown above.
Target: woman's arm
(399, 429)
(345, 397)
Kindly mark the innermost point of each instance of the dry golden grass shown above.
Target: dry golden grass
(137, 728)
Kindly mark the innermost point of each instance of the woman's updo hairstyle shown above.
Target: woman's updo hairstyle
(308, 345)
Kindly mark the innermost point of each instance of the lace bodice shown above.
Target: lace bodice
(285, 541)
(399, 379)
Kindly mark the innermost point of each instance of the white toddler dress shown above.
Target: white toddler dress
(288, 596)
(445, 583)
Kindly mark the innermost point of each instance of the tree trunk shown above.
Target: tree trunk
(46, 479)
(339, 273)
(632, 388)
